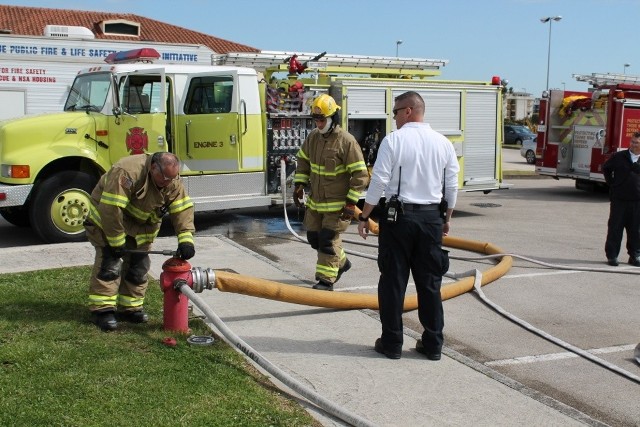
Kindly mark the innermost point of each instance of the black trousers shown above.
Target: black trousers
(623, 215)
(412, 244)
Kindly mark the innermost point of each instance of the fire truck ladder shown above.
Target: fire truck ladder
(332, 62)
(606, 79)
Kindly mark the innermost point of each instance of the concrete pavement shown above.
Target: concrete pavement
(332, 351)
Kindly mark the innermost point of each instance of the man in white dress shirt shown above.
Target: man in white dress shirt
(414, 163)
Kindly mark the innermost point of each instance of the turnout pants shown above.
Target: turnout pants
(125, 292)
(412, 244)
(323, 233)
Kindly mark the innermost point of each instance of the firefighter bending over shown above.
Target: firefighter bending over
(330, 162)
(126, 213)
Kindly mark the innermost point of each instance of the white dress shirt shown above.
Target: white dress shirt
(425, 155)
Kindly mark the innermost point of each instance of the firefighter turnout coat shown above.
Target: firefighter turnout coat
(126, 202)
(334, 168)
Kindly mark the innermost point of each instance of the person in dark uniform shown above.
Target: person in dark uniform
(414, 163)
(622, 174)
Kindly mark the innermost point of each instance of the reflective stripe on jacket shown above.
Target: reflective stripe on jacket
(334, 168)
(127, 202)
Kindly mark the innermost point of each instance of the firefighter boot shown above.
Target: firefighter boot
(105, 320)
(343, 269)
(137, 316)
(323, 286)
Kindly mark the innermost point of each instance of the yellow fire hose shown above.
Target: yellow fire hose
(262, 288)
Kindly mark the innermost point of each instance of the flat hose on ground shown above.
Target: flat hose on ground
(295, 385)
(262, 288)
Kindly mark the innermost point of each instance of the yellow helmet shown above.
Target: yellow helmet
(324, 106)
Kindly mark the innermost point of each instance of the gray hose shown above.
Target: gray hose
(554, 266)
(477, 285)
(283, 183)
(293, 384)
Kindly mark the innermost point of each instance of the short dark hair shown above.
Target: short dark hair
(414, 99)
(636, 134)
(164, 159)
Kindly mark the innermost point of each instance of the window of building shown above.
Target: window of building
(120, 27)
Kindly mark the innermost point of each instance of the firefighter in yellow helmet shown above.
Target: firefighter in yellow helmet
(330, 162)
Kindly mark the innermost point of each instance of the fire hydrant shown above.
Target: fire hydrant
(176, 273)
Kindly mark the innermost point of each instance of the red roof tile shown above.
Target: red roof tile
(32, 20)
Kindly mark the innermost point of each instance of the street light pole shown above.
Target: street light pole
(398, 43)
(544, 20)
(624, 69)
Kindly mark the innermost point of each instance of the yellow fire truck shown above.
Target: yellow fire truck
(233, 125)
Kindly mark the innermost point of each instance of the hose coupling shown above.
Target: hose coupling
(203, 279)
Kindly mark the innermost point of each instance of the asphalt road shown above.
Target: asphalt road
(543, 219)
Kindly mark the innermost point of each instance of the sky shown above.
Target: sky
(479, 38)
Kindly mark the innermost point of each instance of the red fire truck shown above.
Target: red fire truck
(579, 131)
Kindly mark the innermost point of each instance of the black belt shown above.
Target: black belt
(416, 207)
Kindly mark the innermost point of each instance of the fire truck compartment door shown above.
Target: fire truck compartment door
(366, 103)
(584, 139)
(480, 136)
(141, 125)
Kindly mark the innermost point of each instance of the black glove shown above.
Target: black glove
(348, 211)
(298, 195)
(186, 251)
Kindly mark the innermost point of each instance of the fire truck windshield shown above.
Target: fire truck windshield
(88, 92)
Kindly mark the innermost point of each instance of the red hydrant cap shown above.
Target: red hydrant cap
(176, 265)
(170, 342)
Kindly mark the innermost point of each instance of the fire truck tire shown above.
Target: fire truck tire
(18, 216)
(59, 206)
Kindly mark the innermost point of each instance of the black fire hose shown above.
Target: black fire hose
(166, 252)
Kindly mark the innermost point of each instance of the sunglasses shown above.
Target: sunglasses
(395, 110)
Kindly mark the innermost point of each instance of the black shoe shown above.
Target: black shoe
(612, 262)
(323, 286)
(138, 316)
(380, 349)
(634, 261)
(105, 320)
(431, 356)
(344, 269)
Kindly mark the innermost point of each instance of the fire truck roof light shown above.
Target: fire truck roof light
(146, 54)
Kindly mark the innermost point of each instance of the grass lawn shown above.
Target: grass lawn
(58, 369)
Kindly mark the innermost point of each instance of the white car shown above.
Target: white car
(528, 150)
